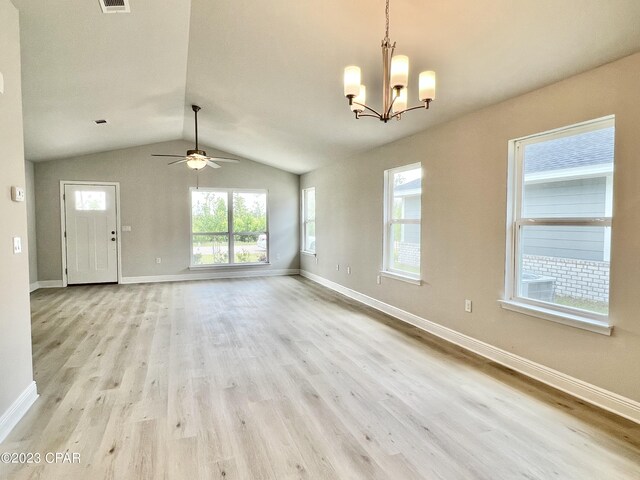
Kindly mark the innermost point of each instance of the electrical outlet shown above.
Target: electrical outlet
(337, 267)
(467, 306)
(316, 260)
(348, 270)
(378, 280)
(158, 260)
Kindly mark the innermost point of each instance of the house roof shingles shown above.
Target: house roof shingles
(584, 149)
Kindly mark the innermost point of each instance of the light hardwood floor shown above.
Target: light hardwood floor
(278, 378)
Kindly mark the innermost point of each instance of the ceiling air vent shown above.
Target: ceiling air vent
(115, 6)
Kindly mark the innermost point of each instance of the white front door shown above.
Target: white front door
(91, 233)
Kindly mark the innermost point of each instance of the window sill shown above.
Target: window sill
(576, 321)
(402, 278)
(309, 254)
(230, 265)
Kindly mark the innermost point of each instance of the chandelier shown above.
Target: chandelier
(395, 78)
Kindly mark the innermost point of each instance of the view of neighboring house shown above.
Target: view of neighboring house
(568, 177)
(403, 217)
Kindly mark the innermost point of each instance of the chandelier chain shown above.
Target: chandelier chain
(387, 14)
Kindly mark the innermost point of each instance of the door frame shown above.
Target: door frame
(63, 223)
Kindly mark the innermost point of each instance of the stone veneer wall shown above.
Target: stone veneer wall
(585, 279)
(408, 253)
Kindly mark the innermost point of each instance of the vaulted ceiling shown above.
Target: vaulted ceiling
(268, 74)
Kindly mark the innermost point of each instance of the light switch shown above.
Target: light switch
(17, 245)
(126, 228)
(17, 194)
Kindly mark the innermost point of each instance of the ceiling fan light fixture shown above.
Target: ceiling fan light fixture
(197, 159)
(196, 162)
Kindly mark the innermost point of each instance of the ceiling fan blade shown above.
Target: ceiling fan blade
(177, 161)
(174, 156)
(223, 159)
(213, 164)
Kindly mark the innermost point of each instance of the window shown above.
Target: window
(403, 196)
(561, 231)
(91, 200)
(309, 220)
(228, 227)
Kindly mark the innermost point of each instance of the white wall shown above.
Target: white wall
(464, 221)
(155, 202)
(15, 323)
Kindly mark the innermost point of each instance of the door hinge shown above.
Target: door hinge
(64, 196)
(65, 234)
(66, 271)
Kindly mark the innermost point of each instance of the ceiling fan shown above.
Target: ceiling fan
(197, 159)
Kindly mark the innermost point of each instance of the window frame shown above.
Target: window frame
(597, 322)
(230, 233)
(306, 221)
(388, 223)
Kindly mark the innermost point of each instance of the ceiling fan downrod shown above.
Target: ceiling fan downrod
(197, 150)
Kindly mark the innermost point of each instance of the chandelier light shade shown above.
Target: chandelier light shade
(352, 81)
(400, 105)
(359, 100)
(427, 86)
(395, 81)
(399, 71)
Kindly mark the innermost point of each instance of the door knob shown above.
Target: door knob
(113, 232)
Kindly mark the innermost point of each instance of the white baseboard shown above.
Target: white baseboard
(33, 287)
(17, 410)
(625, 407)
(209, 275)
(47, 284)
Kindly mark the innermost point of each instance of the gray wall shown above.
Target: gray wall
(464, 221)
(155, 202)
(31, 221)
(15, 323)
